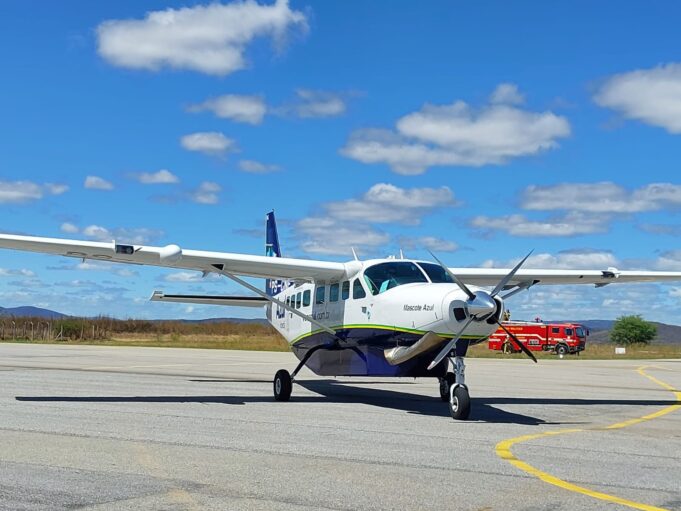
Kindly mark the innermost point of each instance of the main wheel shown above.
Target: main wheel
(561, 349)
(445, 384)
(460, 403)
(282, 385)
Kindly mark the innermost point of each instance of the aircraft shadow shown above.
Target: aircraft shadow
(330, 391)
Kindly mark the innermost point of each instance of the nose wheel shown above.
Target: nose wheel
(460, 403)
(457, 393)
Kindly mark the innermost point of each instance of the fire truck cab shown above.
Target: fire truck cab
(561, 338)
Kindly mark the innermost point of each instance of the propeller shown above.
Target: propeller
(479, 307)
(443, 352)
(517, 342)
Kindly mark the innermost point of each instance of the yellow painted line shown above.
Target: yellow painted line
(503, 450)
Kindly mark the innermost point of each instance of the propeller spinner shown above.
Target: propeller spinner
(479, 307)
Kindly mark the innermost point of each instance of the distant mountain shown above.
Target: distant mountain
(37, 312)
(29, 311)
(599, 331)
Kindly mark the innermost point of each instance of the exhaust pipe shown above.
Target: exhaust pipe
(400, 354)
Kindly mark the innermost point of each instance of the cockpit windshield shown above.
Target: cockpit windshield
(436, 273)
(384, 276)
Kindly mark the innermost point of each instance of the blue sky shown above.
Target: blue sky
(479, 130)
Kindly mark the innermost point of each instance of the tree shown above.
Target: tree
(632, 330)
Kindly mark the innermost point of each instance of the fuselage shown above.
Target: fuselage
(381, 304)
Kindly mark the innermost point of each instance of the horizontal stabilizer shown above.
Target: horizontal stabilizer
(233, 301)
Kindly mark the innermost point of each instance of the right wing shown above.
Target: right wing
(172, 256)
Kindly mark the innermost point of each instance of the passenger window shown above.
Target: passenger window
(333, 292)
(298, 300)
(345, 290)
(320, 294)
(555, 330)
(306, 298)
(358, 290)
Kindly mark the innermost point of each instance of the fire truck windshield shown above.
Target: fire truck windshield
(580, 332)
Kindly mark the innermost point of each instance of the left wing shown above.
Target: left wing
(491, 276)
(172, 256)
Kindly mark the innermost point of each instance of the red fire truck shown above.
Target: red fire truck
(561, 338)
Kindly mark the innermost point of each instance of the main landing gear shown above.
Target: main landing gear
(283, 381)
(453, 389)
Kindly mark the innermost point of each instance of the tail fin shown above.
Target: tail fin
(272, 249)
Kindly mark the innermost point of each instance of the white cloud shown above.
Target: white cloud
(256, 167)
(652, 96)
(210, 39)
(206, 193)
(163, 176)
(69, 228)
(507, 94)
(189, 276)
(208, 142)
(246, 109)
(572, 224)
(578, 259)
(97, 183)
(330, 237)
(18, 192)
(56, 189)
(386, 203)
(456, 134)
(23, 272)
(315, 103)
(136, 236)
(347, 223)
(430, 243)
(604, 197)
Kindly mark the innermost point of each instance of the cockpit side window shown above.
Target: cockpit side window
(436, 273)
(384, 276)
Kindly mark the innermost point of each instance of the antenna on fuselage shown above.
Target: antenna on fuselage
(354, 254)
(401, 254)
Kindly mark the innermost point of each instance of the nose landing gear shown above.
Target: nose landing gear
(458, 396)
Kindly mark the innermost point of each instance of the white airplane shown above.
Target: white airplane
(381, 317)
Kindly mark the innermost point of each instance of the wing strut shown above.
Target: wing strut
(219, 268)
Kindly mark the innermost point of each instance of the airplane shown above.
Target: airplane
(392, 317)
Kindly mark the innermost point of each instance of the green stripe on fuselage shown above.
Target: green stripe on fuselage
(380, 327)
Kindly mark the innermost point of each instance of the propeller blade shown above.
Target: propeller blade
(507, 278)
(518, 343)
(456, 279)
(449, 345)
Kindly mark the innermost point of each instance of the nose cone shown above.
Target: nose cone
(482, 306)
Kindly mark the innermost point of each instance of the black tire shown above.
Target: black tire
(445, 384)
(282, 385)
(561, 349)
(460, 404)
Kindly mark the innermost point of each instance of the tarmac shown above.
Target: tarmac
(102, 428)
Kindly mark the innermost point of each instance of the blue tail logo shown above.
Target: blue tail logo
(272, 249)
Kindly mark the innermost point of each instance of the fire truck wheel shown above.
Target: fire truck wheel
(445, 385)
(561, 349)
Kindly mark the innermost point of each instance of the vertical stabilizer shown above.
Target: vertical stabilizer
(272, 249)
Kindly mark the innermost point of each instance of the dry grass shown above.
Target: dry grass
(592, 352)
(272, 342)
